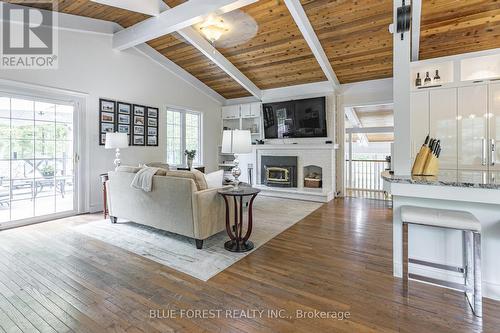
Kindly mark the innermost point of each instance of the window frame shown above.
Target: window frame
(199, 152)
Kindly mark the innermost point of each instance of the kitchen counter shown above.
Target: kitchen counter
(469, 179)
(476, 192)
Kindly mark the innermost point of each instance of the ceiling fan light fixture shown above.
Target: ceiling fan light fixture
(213, 28)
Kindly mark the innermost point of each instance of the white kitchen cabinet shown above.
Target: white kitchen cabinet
(494, 127)
(231, 112)
(419, 120)
(472, 128)
(443, 124)
(245, 110)
(255, 109)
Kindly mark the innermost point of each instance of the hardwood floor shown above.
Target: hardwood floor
(53, 279)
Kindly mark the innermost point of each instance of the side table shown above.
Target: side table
(239, 242)
(104, 179)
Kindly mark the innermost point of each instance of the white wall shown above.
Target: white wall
(88, 64)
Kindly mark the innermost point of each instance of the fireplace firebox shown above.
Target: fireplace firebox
(279, 171)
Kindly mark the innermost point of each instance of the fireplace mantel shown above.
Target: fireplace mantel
(296, 147)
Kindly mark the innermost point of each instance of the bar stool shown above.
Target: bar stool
(471, 231)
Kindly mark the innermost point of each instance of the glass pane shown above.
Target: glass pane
(4, 128)
(45, 149)
(4, 173)
(64, 131)
(22, 209)
(22, 169)
(4, 149)
(64, 149)
(5, 107)
(22, 129)
(64, 113)
(22, 108)
(64, 167)
(45, 205)
(45, 130)
(22, 189)
(4, 205)
(22, 149)
(44, 187)
(45, 168)
(45, 111)
(64, 202)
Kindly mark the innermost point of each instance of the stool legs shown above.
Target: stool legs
(405, 259)
(472, 263)
(478, 302)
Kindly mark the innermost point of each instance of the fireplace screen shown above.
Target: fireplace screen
(278, 175)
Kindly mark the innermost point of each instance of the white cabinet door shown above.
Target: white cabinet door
(494, 127)
(472, 127)
(255, 109)
(443, 124)
(246, 110)
(231, 112)
(419, 108)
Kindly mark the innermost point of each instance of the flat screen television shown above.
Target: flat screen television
(302, 118)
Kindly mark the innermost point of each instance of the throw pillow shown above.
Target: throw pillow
(214, 179)
(195, 175)
(126, 168)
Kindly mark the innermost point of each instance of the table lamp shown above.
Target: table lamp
(236, 142)
(116, 141)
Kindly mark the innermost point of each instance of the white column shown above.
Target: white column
(401, 94)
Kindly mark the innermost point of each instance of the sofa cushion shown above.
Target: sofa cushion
(158, 165)
(195, 175)
(127, 168)
(215, 179)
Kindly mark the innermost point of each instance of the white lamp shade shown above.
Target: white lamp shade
(242, 142)
(116, 140)
(227, 142)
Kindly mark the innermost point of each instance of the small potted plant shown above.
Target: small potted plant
(47, 171)
(190, 154)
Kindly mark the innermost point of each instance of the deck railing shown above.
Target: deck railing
(364, 175)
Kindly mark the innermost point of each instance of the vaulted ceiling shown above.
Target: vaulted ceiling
(354, 35)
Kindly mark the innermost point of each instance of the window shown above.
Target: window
(36, 158)
(183, 132)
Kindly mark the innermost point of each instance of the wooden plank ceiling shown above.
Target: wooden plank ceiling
(451, 27)
(353, 33)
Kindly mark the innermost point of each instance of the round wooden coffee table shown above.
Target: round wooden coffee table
(239, 242)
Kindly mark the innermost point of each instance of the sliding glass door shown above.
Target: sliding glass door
(37, 177)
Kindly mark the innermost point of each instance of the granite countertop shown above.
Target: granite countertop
(469, 179)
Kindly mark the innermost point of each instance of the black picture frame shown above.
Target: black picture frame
(152, 118)
(138, 121)
(107, 118)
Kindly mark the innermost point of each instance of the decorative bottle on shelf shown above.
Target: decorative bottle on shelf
(437, 78)
(418, 80)
(427, 79)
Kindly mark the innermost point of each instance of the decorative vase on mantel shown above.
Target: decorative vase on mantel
(190, 163)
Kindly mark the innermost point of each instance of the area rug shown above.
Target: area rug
(272, 216)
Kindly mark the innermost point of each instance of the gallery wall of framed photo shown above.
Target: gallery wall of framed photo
(140, 122)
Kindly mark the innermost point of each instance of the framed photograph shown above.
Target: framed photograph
(152, 113)
(107, 127)
(103, 139)
(139, 110)
(139, 121)
(153, 122)
(138, 140)
(152, 140)
(152, 131)
(124, 129)
(124, 119)
(107, 105)
(124, 108)
(139, 130)
(107, 117)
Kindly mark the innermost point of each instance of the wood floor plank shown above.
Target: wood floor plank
(339, 258)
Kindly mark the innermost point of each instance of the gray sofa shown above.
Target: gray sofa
(179, 202)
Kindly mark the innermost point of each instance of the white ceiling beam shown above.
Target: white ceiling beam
(353, 118)
(416, 14)
(149, 7)
(305, 27)
(193, 37)
(177, 18)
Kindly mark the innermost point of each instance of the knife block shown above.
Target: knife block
(426, 163)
